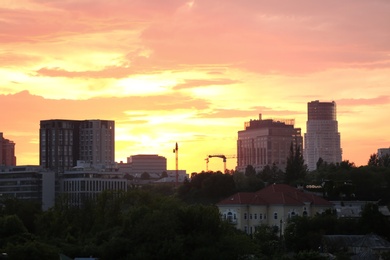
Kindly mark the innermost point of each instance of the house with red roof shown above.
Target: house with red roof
(273, 206)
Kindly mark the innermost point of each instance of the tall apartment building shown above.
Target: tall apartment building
(322, 139)
(266, 142)
(64, 142)
(7, 152)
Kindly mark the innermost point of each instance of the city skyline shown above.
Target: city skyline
(193, 72)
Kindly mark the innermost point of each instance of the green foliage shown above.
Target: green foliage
(344, 181)
(295, 169)
(25, 210)
(374, 221)
(33, 250)
(272, 174)
(309, 255)
(305, 233)
(145, 176)
(207, 188)
(250, 171)
(267, 239)
(245, 183)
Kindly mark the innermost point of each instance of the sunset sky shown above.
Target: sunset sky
(193, 72)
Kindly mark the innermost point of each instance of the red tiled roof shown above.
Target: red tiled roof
(275, 194)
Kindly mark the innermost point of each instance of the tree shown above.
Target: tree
(250, 171)
(319, 163)
(372, 220)
(164, 174)
(296, 169)
(267, 239)
(145, 176)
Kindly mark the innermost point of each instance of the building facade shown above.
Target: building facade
(29, 183)
(322, 138)
(150, 163)
(382, 152)
(7, 152)
(81, 184)
(274, 206)
(266, 142)
(63, 142)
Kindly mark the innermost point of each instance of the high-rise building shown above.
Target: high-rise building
(266, 142)
(7, 152)
(322, 138)
(64, 142)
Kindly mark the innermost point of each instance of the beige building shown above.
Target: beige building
(272, 206)
(266, 142)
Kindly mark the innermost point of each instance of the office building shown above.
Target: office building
(28, 183)
(150, 163)
(382, 152)
(7, 152)
(80, 184)
(266, 142)
(64, 142)
(322, 139)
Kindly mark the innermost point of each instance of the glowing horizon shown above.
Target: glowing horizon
(193, 72)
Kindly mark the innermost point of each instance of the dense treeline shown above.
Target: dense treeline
(155, 223)
(164, 222)
(145, 224)
(139, 224)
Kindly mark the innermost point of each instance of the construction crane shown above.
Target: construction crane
(176, 151)
(223, 157)
(207, 164)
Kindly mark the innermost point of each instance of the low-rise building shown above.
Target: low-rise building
(31, 183)
(272, 206)
(80, 184)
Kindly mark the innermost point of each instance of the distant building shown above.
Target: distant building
(29, 183)
(322, 139)
(383, 152)
(81, 184)
(7, 152)
(274, 206)
(150, 163)
(63, 142)
(266, 142)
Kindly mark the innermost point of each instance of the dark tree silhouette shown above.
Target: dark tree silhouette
(296, 169)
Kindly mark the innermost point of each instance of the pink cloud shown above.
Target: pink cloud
(380, 100)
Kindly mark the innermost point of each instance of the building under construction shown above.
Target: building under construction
(266, 142)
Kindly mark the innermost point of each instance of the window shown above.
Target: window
(260, 216)
(275, 215)
(255, 215)
(230, 216)
(250, 216)
(245, 216)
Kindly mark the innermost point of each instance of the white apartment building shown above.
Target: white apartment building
(322, 138)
